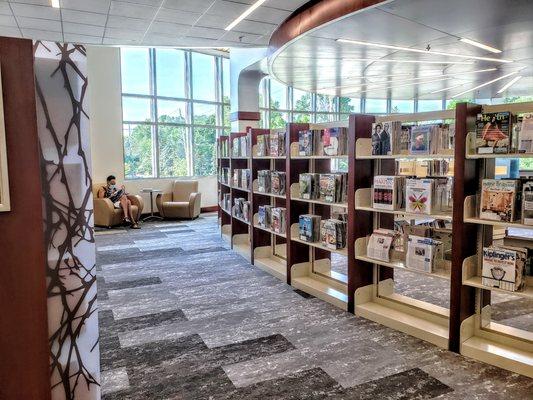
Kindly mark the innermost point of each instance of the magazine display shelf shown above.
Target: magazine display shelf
(309, 264)
(481, 338)
(224, 216)
(268, 248)
(373, 280)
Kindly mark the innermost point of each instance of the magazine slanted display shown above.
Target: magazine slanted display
(237, 174)
(239, 208)
(421, 253)
(380, 243)
(309, 186)
(383, 136)
(309, 227)
(333, 233)
(278, 219)
(388, 192)
(332, 187)
(493, 133)
(246, 210)
(226, 202)
(223, 148)
(421, 136)
(499, 199)
(245, 178)
(527, 203)
(263, 181)
(264, 216)
(263, 145)
(277, 144)
(224, 175)
(504, 267)
(307, 142)
(525, 134)
(335, 141)
(277, 183)
(419, 196)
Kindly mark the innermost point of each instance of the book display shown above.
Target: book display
(427, 202)
(224, 189)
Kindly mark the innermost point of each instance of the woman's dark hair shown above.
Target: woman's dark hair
(111, 177)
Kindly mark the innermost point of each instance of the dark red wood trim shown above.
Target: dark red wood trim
(314, 15)
(209, 209)
(24, 348)
(245, 116)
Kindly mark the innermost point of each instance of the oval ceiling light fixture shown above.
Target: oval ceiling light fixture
(248, 11)
(509, 84)
(440, 53)
(410, 61)
(485, 84)
(55, 4)
(480, 45)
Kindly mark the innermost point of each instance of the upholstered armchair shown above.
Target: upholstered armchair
(105, 214)
(182, 202)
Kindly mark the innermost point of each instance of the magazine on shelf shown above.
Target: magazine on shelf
(499, 199)
(444, 195)
(421, 253)
(309, 227)
(406, 167)
(308, 186)
(277, 183)
(333, 234)
(238, 208)
(243, 146)
(387, 193)
(527, 203)
(419, 196)
(404, 141)
(421, 136)
(307, 143)
(334, 141)
(264, 215)
(504, 267)
(278, 219)
(237, 176)
(246, 210)
(263, 181)
(380, 243)
(525, 134)
(331, 187)
(263, 145)
(383, 136)
(245, 178)
(493, 132)
(227, 202)
(277, 144)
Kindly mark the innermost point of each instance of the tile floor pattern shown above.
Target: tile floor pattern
(183, 317)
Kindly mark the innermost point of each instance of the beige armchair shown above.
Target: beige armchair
(182, 202)
(105, 214)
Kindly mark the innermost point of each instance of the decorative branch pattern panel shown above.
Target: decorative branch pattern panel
(63, 124)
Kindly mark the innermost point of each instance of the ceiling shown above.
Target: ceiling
(316, 61)
(187, 23)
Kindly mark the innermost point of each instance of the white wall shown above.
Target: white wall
(106, 128)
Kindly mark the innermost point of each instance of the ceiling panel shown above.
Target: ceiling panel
(84, 17)
(35, 11)
(97, 6)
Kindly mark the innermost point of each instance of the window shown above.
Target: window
(175, 103)
(402, 106)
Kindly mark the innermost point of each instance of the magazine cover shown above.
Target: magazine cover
(278, 219)
(309, 227)
(380, 244)
(308, 186)
(498, 199)
(526, 134)
(493, 132)
(261, 146)
(334, 141)
(245, 179)
(419, 196)
(383, 192)
(420, 139)
(305, 143)
(246, 210)
(421, 253)
(261, 216)
(381, 139)
(503, 267)
(263, 181)
(328, 187)
(333, 234)
(527, 203)
(404, 140)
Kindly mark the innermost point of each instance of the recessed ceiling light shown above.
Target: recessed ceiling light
(248, 11)
(440, 53)
(485, 84)
(480, 45)
(55, 4)
(509, 84)
(448, 88)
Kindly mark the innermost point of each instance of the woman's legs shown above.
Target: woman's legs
(125, 208)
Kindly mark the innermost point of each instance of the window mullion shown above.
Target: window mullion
(155, 128)
(189, 152)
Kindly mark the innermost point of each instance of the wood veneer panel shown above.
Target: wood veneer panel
(24, 370)
(462, 298)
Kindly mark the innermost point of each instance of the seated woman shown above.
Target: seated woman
(119, 199)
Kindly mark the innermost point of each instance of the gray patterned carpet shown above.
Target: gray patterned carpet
(183, 317)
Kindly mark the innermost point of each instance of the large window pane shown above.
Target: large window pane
(376, 106)
(325, 103)
(135, 69)
(137, 151)
(301, 100)
(301, 118)
(226, 80)
(278, 119)
(325, 117)
(203, 77)
(278, 95)
(402, 106)
(204, 151)
(349, 105)
(205, 114)
(170, 111)
(170, 71)
(173, 151)
(263, 92)
(136, 109)
(227, 116)
(429, 105)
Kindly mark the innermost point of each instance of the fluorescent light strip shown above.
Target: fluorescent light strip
(55, 4)
(386, 46)
(409, 61)
(485, 84)
(509, 84)
(250, 10)
(395, 86)
(448, 88)
(480, 45)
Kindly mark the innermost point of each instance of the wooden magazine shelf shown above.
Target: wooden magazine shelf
(368, 289)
